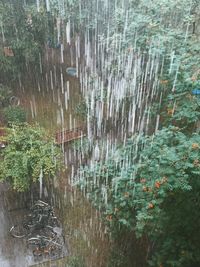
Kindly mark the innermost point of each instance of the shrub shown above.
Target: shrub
(14, 115)
(5, 94)
(28, 154)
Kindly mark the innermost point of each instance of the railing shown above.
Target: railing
(66, 136)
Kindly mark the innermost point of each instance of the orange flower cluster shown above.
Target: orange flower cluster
(195, 146)
(146, 189)
(151, 206)
(157, 184)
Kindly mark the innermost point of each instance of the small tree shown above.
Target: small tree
(28, 153)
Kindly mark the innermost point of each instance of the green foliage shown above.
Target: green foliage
(157, 196)
(28, 153)
(81, 109)
(25, 31)
(5, 94)
(14, 115)
(75, 261)
(82, 146)
(150, 185)
(117, 259)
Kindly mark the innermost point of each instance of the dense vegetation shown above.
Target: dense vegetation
(25, 31)
(157, 196)
(150, 183)
(29, 155)
(29, 152)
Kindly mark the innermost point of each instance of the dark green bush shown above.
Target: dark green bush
(5, 94)
(14, 115)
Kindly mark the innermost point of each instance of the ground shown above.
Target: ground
(13, 251)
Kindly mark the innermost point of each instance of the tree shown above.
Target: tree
(150, 184)
(29, 153)
(157, 196)
(25, 31)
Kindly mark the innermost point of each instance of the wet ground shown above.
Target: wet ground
(83, 231)
(53, 109)
(14, 252)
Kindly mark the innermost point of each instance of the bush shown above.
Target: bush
(5, 94)
(14, 115)
(28, 155)
(157, 196)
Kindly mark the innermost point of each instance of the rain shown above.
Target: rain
(105, 74)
